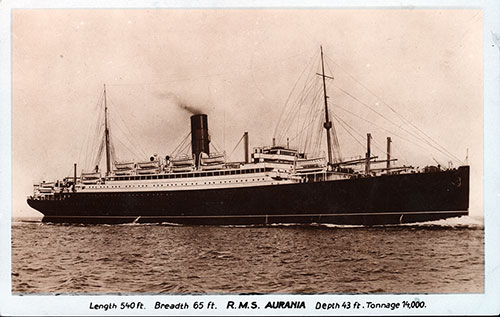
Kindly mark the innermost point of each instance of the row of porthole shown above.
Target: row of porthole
(205, 183)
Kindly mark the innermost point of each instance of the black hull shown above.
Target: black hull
(386, 199)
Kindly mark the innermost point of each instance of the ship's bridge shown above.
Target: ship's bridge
(276, 154)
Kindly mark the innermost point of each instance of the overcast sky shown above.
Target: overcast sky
(239, 67)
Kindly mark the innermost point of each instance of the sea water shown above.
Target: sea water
(435, 257)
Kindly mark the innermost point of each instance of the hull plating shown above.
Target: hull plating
(386, 199)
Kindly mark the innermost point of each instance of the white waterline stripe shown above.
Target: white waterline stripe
(280, 215)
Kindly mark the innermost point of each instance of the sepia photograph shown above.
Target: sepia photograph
(247, 152)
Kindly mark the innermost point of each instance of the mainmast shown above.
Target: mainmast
(106, 135)
(328, 124)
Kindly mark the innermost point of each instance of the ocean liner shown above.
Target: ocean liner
(274, 184)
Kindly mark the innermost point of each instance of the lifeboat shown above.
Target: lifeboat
(124, 165)
(143, 171)
(184, 160)
(47, 185)
(179, 169)
(215, 158)
(211, 167)
(46, 188)
(90, 177)
(310, 164)
(124, 168)
(149, 164)
(122, 172)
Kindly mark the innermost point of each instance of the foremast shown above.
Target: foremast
(106, 135)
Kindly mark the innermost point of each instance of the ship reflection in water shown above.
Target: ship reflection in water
(438, 257)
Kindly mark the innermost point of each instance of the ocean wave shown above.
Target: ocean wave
(465, 222)
(167, 224)
(471, 222)
(279, 258)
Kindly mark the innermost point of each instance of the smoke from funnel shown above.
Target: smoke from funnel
(191, 109)
(181, 103)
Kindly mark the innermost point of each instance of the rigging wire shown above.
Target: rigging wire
(134, 153)
(99, 154)
(300, 133)
(298, 106)
(213, 145)
(185, 148)
(320, 138)
(99, 135)
(92, 137)
(134, 144)
(348, 131)
(344, 124)
(378, 126)
(358, 133)
(294, 112)
(126, 147)
(242, 137)
(400, 127)
(442, 150)
(314, 117)
(93, 143)
(311, 116)
(399, 154)
(311, 60)
(112, 152)
(375, 143)
(181, 144)
(90, 124)
(311, 139)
